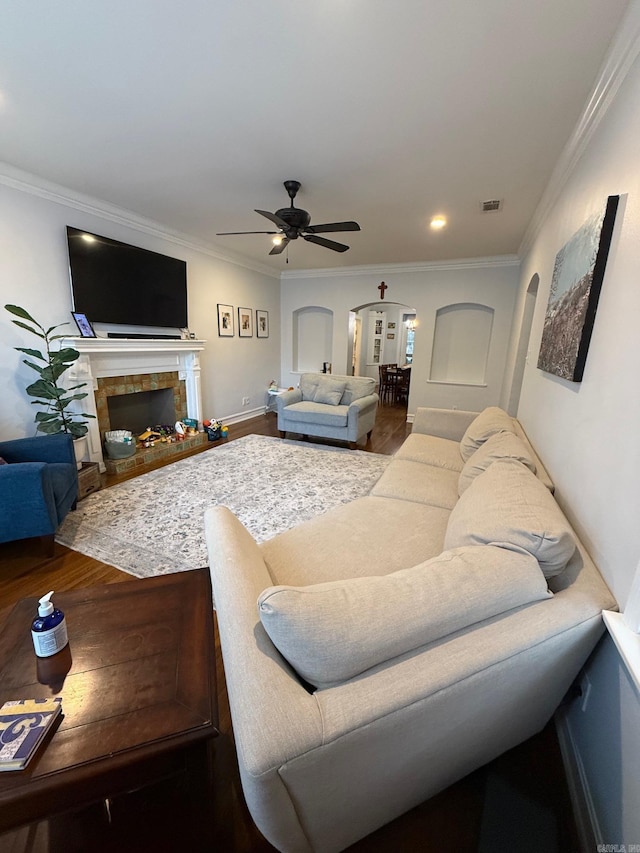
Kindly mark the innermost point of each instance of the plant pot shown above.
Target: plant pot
(81, 450)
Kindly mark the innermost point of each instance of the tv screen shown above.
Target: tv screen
(113, 282)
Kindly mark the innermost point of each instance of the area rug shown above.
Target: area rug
(153, 524)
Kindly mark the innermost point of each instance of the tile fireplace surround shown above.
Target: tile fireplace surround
(141, 364)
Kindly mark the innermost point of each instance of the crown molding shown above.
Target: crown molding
(423, 266)
(25, 182)
(623, 52)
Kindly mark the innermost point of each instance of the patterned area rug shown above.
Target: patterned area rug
(153, 524)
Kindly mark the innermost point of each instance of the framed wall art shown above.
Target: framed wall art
(245, 322)
(576, 282)
(262, 324)
(225, 321)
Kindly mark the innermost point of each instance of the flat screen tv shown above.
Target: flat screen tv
(112, 282)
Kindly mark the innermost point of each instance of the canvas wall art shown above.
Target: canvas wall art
(573, 299)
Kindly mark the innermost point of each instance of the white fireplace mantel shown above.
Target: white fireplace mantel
(105, 357)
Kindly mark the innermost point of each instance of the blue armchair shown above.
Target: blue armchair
(38, 486)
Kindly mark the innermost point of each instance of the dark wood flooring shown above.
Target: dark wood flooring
(465, 817)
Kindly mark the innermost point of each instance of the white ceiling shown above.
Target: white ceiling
(192, 114)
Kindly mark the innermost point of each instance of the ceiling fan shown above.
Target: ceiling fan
(293, 222)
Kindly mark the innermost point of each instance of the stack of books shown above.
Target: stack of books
(24, 724)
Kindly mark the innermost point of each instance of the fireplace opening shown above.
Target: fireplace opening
(142, 409)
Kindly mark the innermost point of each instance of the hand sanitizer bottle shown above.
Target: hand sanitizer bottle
(49, 628)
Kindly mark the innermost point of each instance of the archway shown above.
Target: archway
(522, 354)
(377, 335)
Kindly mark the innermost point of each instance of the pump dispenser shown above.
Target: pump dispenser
(49, 628)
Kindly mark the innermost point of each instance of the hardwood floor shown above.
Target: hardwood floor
(461, 818)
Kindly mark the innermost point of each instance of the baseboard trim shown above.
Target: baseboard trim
(583, 807)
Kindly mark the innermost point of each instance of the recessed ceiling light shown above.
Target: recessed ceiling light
(438, 222)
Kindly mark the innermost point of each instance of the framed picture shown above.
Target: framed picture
(84, 326)
(262, 324)
(225, 321)
(391, 325)
(245, 322)
(391, 337)
(576, 282)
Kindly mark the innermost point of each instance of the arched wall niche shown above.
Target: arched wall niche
(461, 342)
(312, 338)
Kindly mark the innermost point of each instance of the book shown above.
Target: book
(24, 724)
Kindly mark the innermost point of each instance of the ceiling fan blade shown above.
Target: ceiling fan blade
(280, 248)
(227, 233)
(332, 226)
(275, 219)
(328, 244)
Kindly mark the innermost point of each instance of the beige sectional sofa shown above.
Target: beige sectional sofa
(381, 651)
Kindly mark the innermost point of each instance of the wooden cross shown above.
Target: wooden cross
(382, 287)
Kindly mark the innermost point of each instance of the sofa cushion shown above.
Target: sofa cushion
(488, 422)
(331, 632)
(357, 387)
(431, 450)
(501, 445)
(413, 481)
(329, 391)
(367, 536)
(308, 412)
(309, 385)
(508, 506)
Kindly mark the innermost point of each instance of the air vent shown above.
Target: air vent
(492, 205)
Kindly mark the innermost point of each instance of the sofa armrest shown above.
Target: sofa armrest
(288, 398)
(361, 405)
(443, 423)
(263, 689)
(26, 495)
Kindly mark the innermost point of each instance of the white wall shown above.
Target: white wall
(34, 274)
(587, 435)
(491, 282)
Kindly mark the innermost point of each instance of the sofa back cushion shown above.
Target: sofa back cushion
(333, 631)
(507, 505)
(354, 387)
(488, 422)
(501, 445)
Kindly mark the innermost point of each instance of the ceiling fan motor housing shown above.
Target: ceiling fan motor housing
(295, 218)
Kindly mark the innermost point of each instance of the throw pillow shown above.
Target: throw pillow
(501, 445)
(329, 391)
(488, 422)
(308, 386)
(3, 461)
(330, 632)
(508, 506)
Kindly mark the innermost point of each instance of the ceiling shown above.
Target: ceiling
(192, 114)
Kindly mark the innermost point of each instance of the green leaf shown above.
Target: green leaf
(66, 355)
(42, 417)
(53, 328)
(28, 328)
(32, 352)
(40, 388)
(51, 427)
(20, 312)
(77, 430)
(36, 367)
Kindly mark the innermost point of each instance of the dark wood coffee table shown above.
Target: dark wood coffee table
(139, 701)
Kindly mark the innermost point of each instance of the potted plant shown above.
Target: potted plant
(56, 360)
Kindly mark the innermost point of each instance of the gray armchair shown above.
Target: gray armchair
(330, 406)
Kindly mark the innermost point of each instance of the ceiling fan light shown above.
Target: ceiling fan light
(277, 240)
